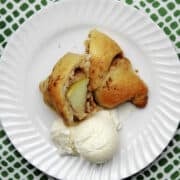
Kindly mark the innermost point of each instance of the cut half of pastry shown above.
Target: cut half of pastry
(102, 50)
(111, 74)
(66, 88)
(120, 85)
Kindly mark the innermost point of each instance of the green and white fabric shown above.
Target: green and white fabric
(165, 13)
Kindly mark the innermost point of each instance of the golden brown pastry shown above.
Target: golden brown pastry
(111, 75)
(66, 88)
(103, 73)
(102, 50)
(120, 85)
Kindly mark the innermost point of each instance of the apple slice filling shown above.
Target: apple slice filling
(78, 95)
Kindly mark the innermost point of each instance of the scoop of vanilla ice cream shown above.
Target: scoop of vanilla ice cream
(95, 139)
(61, 136)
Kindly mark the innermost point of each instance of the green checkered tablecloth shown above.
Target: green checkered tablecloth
(165, 13)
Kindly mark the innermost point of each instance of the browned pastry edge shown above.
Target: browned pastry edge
(120, 85)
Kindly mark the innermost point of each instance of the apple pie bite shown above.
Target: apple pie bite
(66, 88)
(112, 77)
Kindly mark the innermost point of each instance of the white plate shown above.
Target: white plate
(36, 46)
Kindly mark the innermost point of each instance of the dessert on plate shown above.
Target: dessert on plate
(80, 88)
